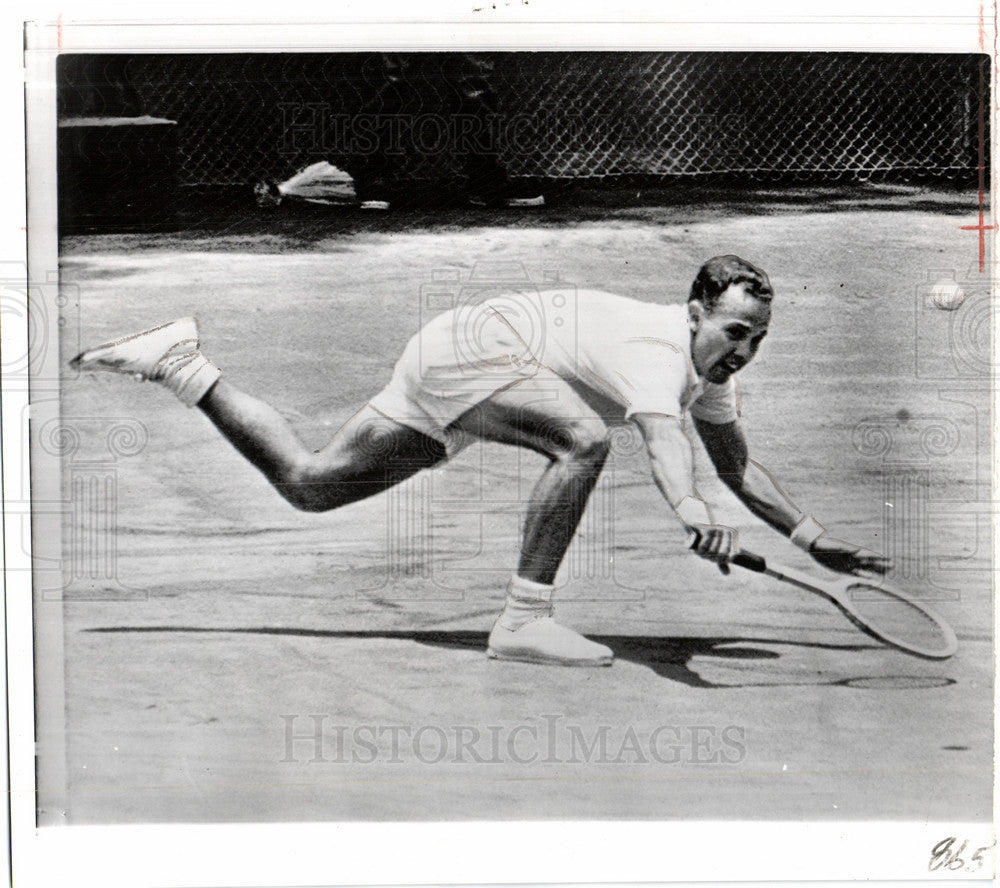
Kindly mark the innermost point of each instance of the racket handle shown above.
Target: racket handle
(745, 559)
(749, 560)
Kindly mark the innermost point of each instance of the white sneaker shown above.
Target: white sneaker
(547, 642)
(167, 354)
(148, 354)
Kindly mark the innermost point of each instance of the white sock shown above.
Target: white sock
(526, 601)
(189, 376)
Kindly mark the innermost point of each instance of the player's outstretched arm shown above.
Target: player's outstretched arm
(673, 471)
(760, 493)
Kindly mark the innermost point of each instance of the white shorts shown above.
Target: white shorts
(456, 361)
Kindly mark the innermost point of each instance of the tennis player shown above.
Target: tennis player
(543, 370)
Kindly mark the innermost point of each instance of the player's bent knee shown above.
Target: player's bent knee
(304, 497)
(309, 491)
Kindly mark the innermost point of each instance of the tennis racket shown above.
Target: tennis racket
(877, 608)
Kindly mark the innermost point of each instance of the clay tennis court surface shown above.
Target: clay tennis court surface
(241, 627)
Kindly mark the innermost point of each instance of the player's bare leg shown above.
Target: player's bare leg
(547, 416)
(367, 455)
(576, 448)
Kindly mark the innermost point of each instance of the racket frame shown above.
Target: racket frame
(837, 592)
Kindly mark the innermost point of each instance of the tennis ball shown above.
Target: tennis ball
(947, 295)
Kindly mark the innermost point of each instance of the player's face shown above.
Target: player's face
(726, 339)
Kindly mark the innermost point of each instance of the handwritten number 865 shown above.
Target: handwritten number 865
(944, 855)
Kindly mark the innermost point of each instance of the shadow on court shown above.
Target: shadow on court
(667, 657)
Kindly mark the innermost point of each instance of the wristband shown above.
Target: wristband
(806, 532)
(692, 510)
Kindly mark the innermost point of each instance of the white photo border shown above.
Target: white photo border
(419, 853)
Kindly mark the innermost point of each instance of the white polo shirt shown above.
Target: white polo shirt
(623, 356)
(636, 355)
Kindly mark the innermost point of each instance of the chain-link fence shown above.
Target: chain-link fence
(552, 115)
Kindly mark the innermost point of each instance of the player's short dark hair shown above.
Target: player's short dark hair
(721, 272)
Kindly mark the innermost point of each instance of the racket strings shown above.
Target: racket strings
(898, 618)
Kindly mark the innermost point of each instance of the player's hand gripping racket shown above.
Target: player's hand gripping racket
(880, 610)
